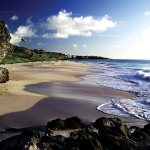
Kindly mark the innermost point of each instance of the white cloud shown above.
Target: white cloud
(75, 45)
(15, 17)
(23, 31)
(15, 39)
(115, 46)
(40, 43)
(84, 45)
(59, 46)
(146, 31)
(57, 35)
(29, 22)
(65, 25)
(147, 13)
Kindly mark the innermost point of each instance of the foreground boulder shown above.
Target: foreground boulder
(110, 122)
(83, 141)
(57, 124)
(74, 123)
(104, 134)
(26, 140)
(147, 128)
(4, 75)
(69, 123)
(115, 126)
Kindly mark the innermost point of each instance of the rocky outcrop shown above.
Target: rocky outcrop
(5, 45)
(69, 123)
(114, 125)
(104, 134)
(4, 75)
(27, 140)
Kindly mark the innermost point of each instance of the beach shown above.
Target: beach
(39, 92)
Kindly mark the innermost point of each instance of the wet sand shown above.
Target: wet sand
(40, 92)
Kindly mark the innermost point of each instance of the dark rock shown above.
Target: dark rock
(107, 130)
(122, 130)
(53, 142)
(112, 126)
(45, 146)
(147, 128)
(135, 128)
(49, 132)
(57, 124)
(69, 123)
(52, 139)
(30, 140)
(73, 135)
(25, 140)
(4, 75)
(90, 129)
(110, 122)
(141, 137)
(111, 142)
(115, 131)
(83, 141)
(112, 135)
(74, 123)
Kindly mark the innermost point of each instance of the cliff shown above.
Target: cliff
(5, 47)
(5, 37)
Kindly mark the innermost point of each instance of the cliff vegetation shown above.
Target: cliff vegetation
(22, 54)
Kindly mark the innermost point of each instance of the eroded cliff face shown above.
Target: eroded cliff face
(5, 37)
(5, 47)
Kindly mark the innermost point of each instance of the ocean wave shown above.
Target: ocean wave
(127, 108)
(143, 75)
(131, 76)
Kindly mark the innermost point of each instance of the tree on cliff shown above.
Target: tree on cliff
(23, 41)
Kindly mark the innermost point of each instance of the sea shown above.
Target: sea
(125, 75)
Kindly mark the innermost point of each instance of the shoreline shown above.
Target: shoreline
(49, 91)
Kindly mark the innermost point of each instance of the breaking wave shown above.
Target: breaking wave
(133, 76)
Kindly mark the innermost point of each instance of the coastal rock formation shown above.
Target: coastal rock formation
(4, 75)
(69, 123)
(114, 125)
(104, 134)
(26, 140)
(5, 45)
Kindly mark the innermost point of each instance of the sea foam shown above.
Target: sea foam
(127, 108)
(127, 76)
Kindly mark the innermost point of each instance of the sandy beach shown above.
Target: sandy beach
(40, 92)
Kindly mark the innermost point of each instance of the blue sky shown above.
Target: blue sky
(108, 28)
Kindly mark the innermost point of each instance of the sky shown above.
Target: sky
(118, 29)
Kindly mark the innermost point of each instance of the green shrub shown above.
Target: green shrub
(22, 54)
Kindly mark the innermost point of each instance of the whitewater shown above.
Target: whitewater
(125, 75)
